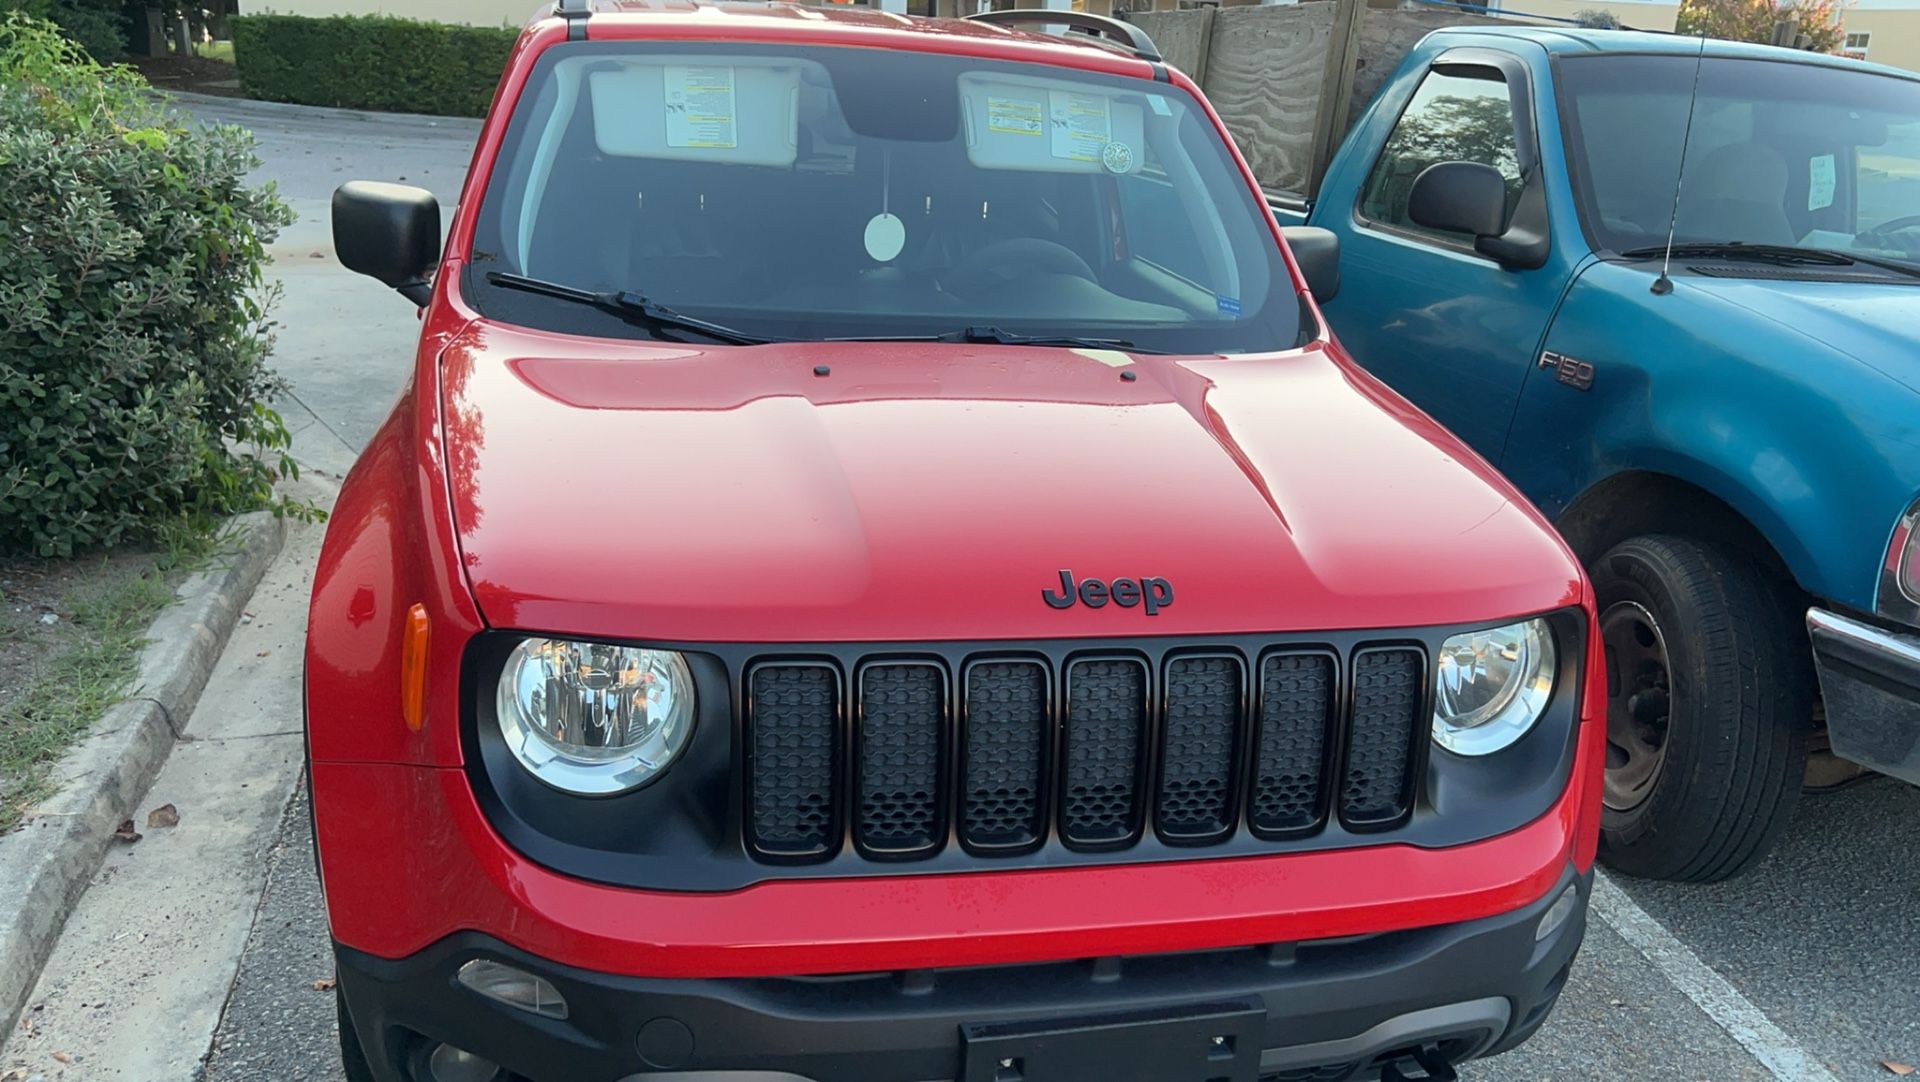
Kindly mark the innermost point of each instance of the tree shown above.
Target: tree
(1754, 20)
(1597, 19)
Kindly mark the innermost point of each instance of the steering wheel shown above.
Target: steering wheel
(1005, 261)
(1897, 225)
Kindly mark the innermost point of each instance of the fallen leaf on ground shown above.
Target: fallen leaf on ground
(263, 653)
(166, 815)
(126, 833)
(63, 1057)
(1897, 1068)
(26, 1025)
(324, 984)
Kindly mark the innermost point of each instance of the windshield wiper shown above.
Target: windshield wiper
(1779, 254)
(628, 305)
(1001, 337)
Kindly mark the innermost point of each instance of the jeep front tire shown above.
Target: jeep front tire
(1708, 706)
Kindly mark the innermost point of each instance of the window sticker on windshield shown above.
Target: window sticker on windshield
(1229, 306)
(1082, 127)
(1159, 105)
(1820, 182)
(700, 110)
(1014, 116)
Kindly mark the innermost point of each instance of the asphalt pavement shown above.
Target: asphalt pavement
(1805, 970)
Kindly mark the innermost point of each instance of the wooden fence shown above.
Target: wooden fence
(1289, 80)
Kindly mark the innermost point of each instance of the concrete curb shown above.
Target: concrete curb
(369, 116)
(47, 863)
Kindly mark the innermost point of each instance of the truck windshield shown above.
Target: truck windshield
(825, 193)
(1798, 154)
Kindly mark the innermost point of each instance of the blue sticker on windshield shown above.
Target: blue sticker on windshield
(1229, 306)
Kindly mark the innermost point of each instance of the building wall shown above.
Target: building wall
(1896, 34)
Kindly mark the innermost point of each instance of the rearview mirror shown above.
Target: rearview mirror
(1316, 252)
(1460, 197)
(390, 232)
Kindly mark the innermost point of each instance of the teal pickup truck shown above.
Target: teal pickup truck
(1672, 290)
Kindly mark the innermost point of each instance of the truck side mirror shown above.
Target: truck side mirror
(1460, 197)
(390, 232)
(1316, 252)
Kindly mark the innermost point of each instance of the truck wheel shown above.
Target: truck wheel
(353, 1060)
(1708, 705)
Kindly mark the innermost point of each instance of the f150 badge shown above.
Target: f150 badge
(1152, 594)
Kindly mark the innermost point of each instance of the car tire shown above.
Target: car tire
(1707, 672)
(353, 1059)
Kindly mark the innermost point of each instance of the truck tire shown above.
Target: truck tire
(353, 1061)
(1709, 700)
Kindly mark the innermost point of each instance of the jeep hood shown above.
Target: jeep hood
(904, 491)
(1871, 322)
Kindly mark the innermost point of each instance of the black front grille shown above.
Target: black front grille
(1091, 752)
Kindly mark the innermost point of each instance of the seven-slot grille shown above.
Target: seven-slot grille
(1015, 752)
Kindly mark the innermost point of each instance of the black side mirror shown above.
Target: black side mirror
(1460, 197)
(1317, 253)
(390, 232)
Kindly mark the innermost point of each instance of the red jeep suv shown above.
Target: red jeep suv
(881, 574)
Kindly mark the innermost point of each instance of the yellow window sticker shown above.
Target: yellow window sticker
(1014, 116)
(700, 107)
(1082, 126)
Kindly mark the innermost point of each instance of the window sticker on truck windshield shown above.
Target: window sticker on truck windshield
(1082, 125)
(1014, 116)
(1820, 182)
(700, 107)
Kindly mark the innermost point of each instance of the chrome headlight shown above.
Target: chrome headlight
(594, 718)
(1492, 686)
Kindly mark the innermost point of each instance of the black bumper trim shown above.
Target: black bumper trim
(1467, 988)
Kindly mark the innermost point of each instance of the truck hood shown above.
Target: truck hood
(1870, 322)
(904, 491)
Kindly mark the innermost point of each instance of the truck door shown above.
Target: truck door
(1452, 329)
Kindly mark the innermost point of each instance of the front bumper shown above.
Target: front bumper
(1870, 682)
(1326, 1010)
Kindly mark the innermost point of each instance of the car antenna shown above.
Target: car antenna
(1663, 285)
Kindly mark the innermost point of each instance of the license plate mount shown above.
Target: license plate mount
(1210, 1042)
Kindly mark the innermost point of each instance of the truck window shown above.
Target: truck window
(1811, 154)
(1457, 115)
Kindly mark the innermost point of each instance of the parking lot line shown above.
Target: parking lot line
(1708, 990)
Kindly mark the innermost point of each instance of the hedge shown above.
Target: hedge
(370, 62)
(133, 309)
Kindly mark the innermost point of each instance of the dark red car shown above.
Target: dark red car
(882, 574)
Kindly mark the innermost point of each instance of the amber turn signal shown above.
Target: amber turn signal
(413, 668)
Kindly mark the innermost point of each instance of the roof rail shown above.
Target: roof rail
(1127, 35)
(575, 12)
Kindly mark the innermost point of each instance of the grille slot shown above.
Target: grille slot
(1297, 707)
(795, 716)
(1203, 700)
(903, 710)
(1006, 730)
(1106, 713)
(1388, 697)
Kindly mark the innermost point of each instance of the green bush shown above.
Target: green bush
(133, 327)
(95, 24)
(370, 62)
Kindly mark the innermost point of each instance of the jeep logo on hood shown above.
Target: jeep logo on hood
(1154, 594)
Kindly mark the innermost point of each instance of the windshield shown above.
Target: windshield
(815, 193)
(1781, 153)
